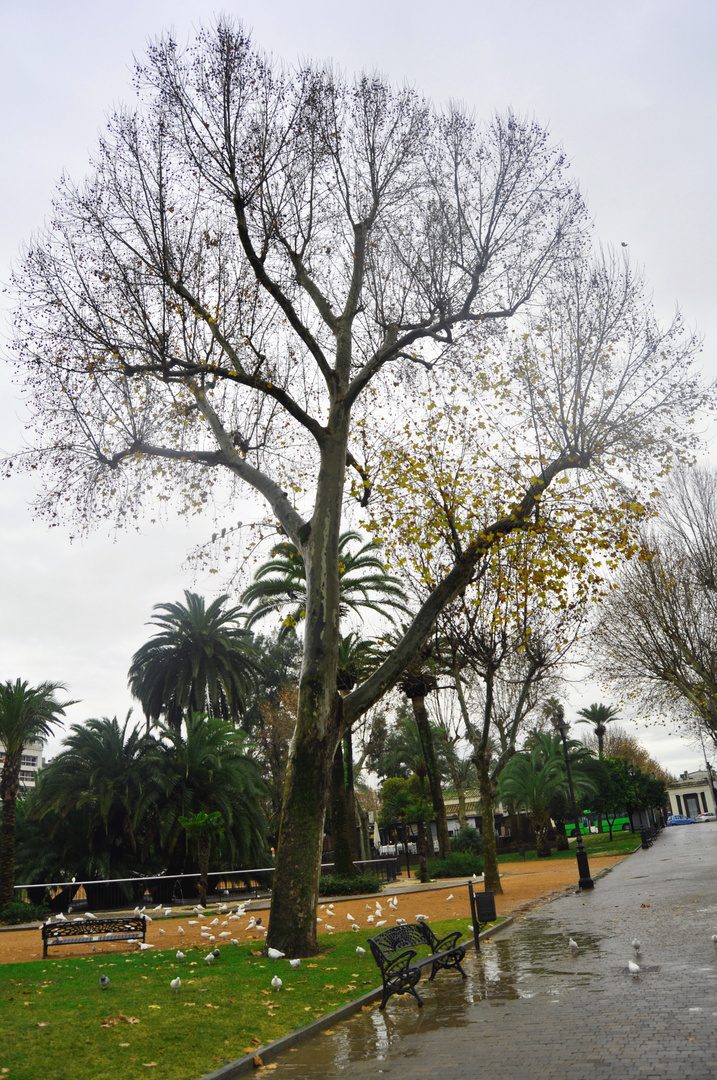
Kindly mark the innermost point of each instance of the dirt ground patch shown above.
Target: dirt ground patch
(524, 886)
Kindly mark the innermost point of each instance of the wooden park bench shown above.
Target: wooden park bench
(393, 952)
(89, 931)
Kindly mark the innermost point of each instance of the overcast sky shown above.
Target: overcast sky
(627, 87)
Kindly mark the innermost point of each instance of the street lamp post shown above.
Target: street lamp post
(585, 881)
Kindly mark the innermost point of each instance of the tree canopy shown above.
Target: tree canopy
(270, 276)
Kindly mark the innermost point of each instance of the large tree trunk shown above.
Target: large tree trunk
(342, 823)
(434, 781)
(204, 846)
(490, 851)
(351, 811)
(422, 851)
(9, 791)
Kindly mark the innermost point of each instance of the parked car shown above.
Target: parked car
(679, 819)
(708, 816)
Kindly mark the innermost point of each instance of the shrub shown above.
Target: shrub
(331, 885)
(467, 839)
(458, 864)
(19, 911)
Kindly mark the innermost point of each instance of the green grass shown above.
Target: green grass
(58, 1022)
(595, 844)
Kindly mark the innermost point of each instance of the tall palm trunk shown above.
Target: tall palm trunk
(9, 792)
(434, 782)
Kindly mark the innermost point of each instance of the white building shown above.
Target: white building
(692, 794)
(31, 763)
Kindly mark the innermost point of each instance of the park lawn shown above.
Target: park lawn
(58, 1022)
(595, 844)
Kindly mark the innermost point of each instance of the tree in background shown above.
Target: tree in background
(202, 660)
(203, 828)
(263, 267)
(27, 713)
(599, 716)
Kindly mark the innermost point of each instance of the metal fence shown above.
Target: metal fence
(170, 889)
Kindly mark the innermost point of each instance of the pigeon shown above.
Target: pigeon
(180, 954)
(370, 918)
(355, 927)
(400, 922)
(295, 963)
(276, 983)
(162, 931)
(360, 951)
(258, 922)
(381, 922)
(222, 907)
(421, 918)
(329, 928)
(226, 933)
(60, 917)
(209, 958)
(274, 954)
(157, 908)
(216, 954)
(144, 945)
(205, 934)
(379, 909)
(175, 984)
(167, 912)
(104, 981)
(211, 937)
(449, 897)
(714, 938)
(179, 930)
(89, 915)
(637, 946)
(192, 922)
(633, 968)
(214, 922)
(573, 944)
(234, 941)
(350, 918)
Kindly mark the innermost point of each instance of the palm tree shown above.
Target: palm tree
(364, 583)
(201, 661)
(210, 770)
(535, 778)
(102, 782)
(598, 715)
(26, 713)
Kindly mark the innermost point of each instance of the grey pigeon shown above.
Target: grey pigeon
(104, 981)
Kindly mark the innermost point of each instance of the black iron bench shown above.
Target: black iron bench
(392, 950)
(88, 931)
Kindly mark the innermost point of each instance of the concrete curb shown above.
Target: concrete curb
(273, 1050)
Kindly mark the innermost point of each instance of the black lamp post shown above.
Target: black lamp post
(585, 882)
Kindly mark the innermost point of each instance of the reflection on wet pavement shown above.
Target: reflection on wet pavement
(532, 960)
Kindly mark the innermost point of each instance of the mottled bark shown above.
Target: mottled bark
(490, 851)
(342, 824)
(351, 811)
(434, 781)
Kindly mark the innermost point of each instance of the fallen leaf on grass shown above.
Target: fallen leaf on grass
(149, 1064)
(128, 1019)
(366, 1008)
(43, 1024)
(312, 965)
(257, 1061)
(124, 1044)
(111, 1021)
(208, 1006)
(307, 1008)
(256, 1042)
(189, 1004)
(154, 1006)
(329, 986)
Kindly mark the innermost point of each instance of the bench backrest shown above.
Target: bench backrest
(398, 938)
(91, 927)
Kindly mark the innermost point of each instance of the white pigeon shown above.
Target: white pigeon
(78, 919)
(180, 954)
(329, 928)
(192, 922)
(205, 934)
(295, 963)
(573, 944)
(196, 909)
(162, 931)
(209, 958)
(234, 941)
(379, 909)
(167, 912)
(400, 922)
(180, 930)
(318, 919)
(226, 933)
(214, 922)
(137, 911)
(144, 945)
(276, 983)
(274, 954)
(355, 927)
(148, 918)
(381, 922)
(370, 918)
(89, 915)
(222, 907)
(60, 917)
(104, 981)
(637, 946)
(633, 968)
(175, 984)
(421, 918)
(350, 918)
(714, 938)
(449, 897)
(211, 937)
(157, 908)
(225, 922)
(360, 951)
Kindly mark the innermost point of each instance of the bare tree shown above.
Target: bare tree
(658, 627)
(261, 259)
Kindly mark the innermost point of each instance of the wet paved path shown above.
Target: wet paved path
(531, 1010)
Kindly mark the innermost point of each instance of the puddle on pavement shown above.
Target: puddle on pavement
(531, 960)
